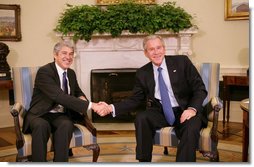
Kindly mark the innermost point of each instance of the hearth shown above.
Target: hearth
(113, 85)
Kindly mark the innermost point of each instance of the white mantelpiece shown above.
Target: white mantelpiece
(126, 51)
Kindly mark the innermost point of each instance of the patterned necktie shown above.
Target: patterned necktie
(65, 83)
(165, 100)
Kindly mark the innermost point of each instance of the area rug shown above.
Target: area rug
(114, 153)
(4, 143)
(125, 152)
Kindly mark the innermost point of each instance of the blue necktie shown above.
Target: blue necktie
(165, 100)
(65, 83)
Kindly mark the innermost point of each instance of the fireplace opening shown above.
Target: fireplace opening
(113, 85)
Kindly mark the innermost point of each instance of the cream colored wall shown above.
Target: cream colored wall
(221, 41)
(226, 42)
(38, 19)
(218, 40)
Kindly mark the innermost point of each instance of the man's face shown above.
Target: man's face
(155, 51)
(64, 57)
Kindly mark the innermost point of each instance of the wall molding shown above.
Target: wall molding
(238, 71)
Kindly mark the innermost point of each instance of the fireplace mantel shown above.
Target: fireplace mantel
(176, 43)
(126, 51)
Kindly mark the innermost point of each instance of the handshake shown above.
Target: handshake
(102, 108)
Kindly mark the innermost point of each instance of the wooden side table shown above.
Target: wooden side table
(245, 107)
(7, 85)
(227, 82)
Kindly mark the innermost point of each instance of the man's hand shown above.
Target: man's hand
(102, 108)
(187, 114)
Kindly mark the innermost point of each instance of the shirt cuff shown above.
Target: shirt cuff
(89, 106)
(192, 108)
(113, 112)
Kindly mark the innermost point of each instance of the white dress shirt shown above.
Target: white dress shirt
(60, 71)
(167, 82)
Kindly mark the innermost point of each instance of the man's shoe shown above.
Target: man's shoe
(144, 160)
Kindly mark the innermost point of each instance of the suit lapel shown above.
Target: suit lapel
(71, 83)
(53, 66)
(150, 80)
(172, 72)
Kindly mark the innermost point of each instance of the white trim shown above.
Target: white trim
(238, 71)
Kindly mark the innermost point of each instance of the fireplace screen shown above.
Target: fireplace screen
(113, 85)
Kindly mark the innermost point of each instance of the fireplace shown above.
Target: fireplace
(113, 85)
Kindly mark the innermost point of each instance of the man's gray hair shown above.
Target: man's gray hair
(58, 46)
(152, 37)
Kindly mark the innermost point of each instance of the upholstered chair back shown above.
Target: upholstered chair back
(23, 84)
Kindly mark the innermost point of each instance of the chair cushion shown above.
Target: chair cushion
(166, 137)
(81, 137)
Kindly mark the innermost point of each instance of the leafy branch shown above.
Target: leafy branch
(83, 21)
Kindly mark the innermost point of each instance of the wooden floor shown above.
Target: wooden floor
(230, 133)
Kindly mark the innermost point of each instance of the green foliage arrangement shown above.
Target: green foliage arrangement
(83, 21)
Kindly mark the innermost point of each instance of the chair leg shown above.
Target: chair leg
(165, 150)
(70, 152)
(18, 159)
(96, 151)
(24, 159)
(213, 156)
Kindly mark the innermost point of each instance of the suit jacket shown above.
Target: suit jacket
(188, 87)
(47, 94)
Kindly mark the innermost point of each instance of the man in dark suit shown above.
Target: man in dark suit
(57, 101)
(186, 92)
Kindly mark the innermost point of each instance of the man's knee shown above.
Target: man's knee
(40, 124)
(67, 125)
(141, 117)
(194, 126)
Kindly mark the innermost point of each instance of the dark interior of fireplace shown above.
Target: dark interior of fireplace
(113, 85)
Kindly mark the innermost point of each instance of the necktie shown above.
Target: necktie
(165, 100)
(65, 83)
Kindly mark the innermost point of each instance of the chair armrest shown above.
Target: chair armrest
(88, 124)
(216, 104)
(15, 111)
(212, 109)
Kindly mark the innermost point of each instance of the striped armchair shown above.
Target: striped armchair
(208, 140)
(83, 135)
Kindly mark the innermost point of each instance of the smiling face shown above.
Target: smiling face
(64, 56)
(155, 50)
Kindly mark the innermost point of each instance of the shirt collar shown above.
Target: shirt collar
(163, 65)
(59, 70)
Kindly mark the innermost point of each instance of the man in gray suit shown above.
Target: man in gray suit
(186, 92)
(57, 101)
